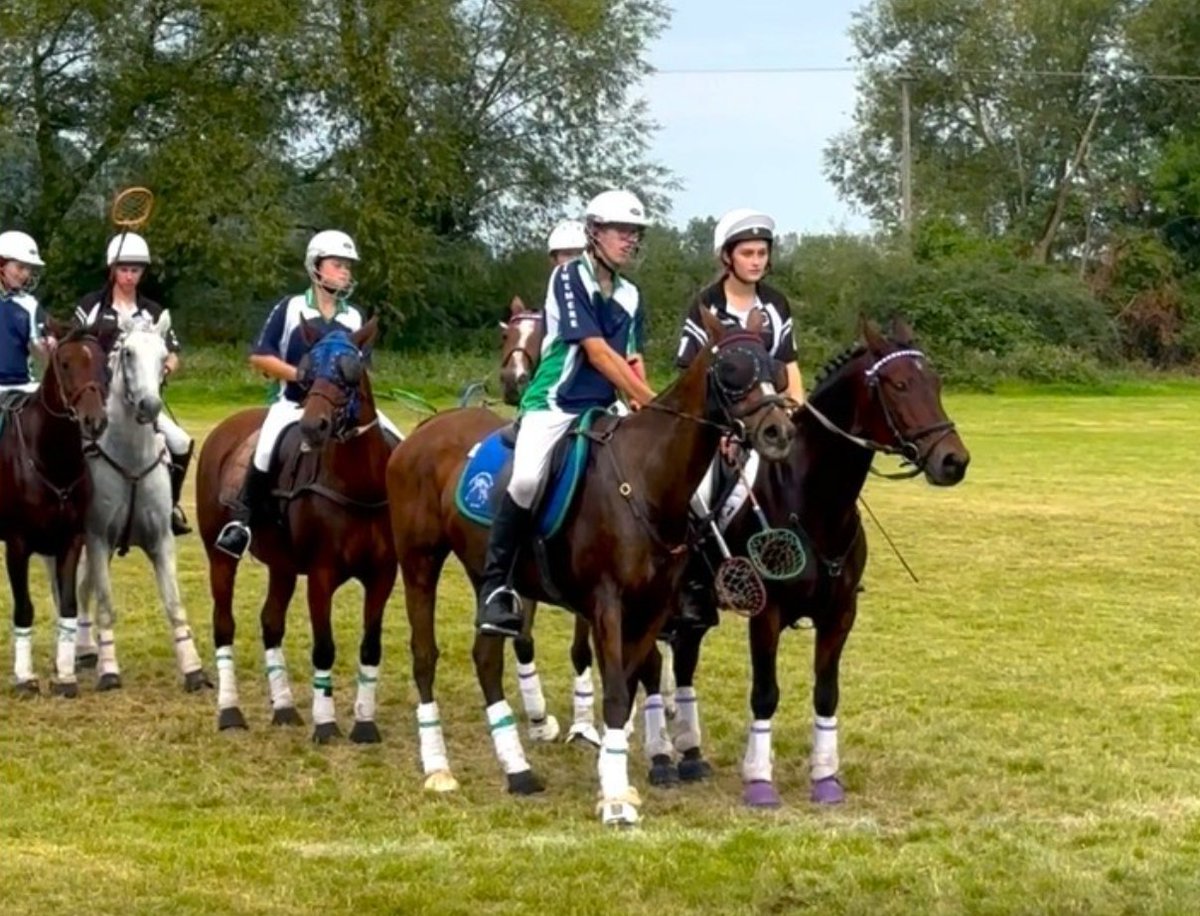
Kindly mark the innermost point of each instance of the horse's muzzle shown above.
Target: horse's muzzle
(772, 438)
(947, 463)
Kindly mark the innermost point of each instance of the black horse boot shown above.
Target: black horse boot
(235, 536)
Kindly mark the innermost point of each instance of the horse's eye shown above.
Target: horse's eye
(900, 385)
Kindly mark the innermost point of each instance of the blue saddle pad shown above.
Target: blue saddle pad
(485, 477)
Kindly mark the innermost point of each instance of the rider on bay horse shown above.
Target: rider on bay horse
(118, 302)
(593, 330)
(742, 243)
(278, 350)
(22, 321)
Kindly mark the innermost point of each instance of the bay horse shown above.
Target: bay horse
(617, 561)
(45, 490)
(520, 352)
(881, 396)
(330, 524)
(131, 505)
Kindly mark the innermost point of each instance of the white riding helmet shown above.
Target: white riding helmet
(329, 243)
(128, 248)
(741, 225)
(17, 246)
(569, 235)
(616, 207)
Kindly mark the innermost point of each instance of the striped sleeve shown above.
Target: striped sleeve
(270, 339)
(692, 337)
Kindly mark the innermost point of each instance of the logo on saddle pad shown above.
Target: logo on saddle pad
(477, 494)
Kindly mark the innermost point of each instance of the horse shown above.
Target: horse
(880, 396)
(619, 557)
(131, 505)
(520, 352)
(331, 524)
(45, 490)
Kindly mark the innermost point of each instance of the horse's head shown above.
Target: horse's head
(896, 403)
(333, 374)
(76, 378)
(520, 349)
(742, 388)
(137, 364)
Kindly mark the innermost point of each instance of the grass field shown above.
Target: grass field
(1019, 731)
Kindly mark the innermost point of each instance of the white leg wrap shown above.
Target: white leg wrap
(614, 764)
(23, 654)
(824, 761)
(185, 649)
(107, 645)
(322, 700)
(657, 741)
(364, 702)
(756, 766)
(503, 725)
(687, 720)
(65, 657)
(585, 698)
(227, 692)
(277, 680)
(85, 642)
(433, 743)
(532, 697)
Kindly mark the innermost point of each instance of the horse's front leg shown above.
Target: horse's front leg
(66, 567)
(87, 652)
(378, 589)
(832, 632)
(583, 726)
(542, 727)
(686, 724)
(757, 776)
(97, 583)
(657, 743)
(167, 577)
(619, 801)
(281, 585)
(322, 582)
(488, 654)
(16, 558)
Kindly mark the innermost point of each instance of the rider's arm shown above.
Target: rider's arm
(274, 367)
(795, 384)
(267, 355)
(612, 366)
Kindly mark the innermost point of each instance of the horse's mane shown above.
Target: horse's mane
(833, 366)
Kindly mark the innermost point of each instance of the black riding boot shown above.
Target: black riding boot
(698, 598)
(179, 469)
(499, 607)
(235, 536)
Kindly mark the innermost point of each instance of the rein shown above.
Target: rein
(133, 479)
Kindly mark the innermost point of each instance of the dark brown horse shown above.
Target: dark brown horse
(332, 526)
(879, 397)
(618, 559)
(45, 490)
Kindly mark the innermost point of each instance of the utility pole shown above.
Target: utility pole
(906, 203)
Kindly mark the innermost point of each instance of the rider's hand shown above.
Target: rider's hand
(730, 450)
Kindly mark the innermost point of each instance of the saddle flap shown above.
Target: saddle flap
(235, 469)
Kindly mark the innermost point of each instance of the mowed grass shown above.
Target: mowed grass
(1019, 731)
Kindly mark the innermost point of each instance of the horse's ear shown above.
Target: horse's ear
(868, 330)
(106, 333)
(516, 307)
(365, 335)
(309, 332)
(712, 326)
(57, 329)
(754, 324)
(902, 332)
(163, 326)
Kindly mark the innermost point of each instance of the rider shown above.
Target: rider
(22, 321)
(329, 261)
(114, 305)
(742, 244)
(567, 241)
(593, 320)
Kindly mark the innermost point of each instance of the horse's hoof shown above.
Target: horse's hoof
(325, 732)
(525, 783)
(620, 812)
(27, 690)
(761, 794)
(585, 733)
(663, 773)
(87, 661)
(68, 690)
(286, 715)
(108, 681)
(544, 730)
(365, 732)
(441, 781)
(195, 681)
(230, 717)
(828, 791)
(693, 767)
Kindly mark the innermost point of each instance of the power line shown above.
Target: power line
(933, 71)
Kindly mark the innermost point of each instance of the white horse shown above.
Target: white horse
(131, 505)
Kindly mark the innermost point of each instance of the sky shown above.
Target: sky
(754, 140)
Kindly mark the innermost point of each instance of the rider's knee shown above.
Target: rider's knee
(522, 491)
